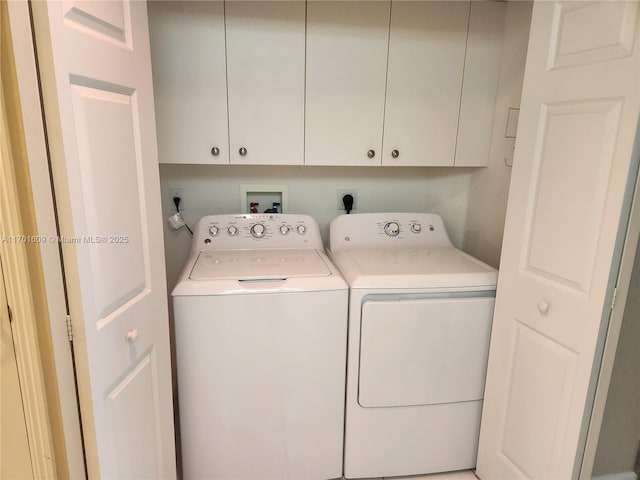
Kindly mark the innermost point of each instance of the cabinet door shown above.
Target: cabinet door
(189, 81)
(347, 46)
(426, 61)
(265, 69)
(481, 72)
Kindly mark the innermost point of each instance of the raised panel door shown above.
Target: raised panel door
(98, 100)
(567, 213)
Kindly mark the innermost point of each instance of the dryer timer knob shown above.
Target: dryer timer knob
(232, 230)
(392, 229)
(301, 229)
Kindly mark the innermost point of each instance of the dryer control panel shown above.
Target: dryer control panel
(261, 230)
(371, 230)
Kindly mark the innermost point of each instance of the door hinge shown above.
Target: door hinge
(69, 328)
(613, 299)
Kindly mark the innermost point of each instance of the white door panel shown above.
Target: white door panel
(105, 20)
(96, 71)
(561, 238)
(573, 155)
(573, 44)
(126, 406)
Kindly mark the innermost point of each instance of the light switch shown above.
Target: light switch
(512, 122)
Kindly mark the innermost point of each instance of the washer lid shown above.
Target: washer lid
(268, 264)
(413, 268)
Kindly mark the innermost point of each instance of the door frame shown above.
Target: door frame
(620, 279)
(20, 302)
(60, 443)
(26, 341)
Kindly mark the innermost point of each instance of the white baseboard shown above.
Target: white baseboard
(617, 476)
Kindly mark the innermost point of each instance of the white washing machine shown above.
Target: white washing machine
(420, 314)
(260, 335)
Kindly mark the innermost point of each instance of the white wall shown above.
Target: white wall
(212, 189)
(489, 187)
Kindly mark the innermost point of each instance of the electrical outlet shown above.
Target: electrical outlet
(176, 192)
(344, 191)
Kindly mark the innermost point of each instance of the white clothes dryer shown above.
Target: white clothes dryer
(420, 314)
(260, 335)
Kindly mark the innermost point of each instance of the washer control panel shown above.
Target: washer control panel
(365, 230)
(393, 229)
(256, 231)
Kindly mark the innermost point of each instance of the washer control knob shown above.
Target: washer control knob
(301, 229)
(232, 230)
(392, 229)
(213, 231)
(416, 227)
(284, 229)
(258, 230)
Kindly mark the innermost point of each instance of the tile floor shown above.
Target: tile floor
(461, 475)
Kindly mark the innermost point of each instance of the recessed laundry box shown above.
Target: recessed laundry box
(420, 314)
(260, 334)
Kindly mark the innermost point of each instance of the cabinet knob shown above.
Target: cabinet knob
(242, 151)
(215, 151)
(395, 153)
(371, 153)
(132, 335)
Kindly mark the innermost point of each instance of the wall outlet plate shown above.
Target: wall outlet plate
(344, 191)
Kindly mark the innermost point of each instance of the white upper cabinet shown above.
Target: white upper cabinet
(189, 81)
(362, 83)
(481, 71)
(426, 62)
(266, 78)
(347, 45)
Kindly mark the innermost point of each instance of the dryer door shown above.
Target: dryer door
(424, 351)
